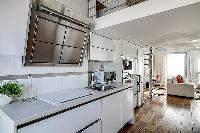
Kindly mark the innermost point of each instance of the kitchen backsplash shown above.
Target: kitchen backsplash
(60, 78)
(37, 86)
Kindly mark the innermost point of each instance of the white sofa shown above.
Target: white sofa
(181, 89)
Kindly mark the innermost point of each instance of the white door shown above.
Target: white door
(111, 113)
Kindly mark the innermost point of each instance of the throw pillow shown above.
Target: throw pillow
(179, 79)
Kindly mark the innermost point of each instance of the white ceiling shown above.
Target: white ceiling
(177, 28)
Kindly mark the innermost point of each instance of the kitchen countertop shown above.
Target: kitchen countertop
(21, 112)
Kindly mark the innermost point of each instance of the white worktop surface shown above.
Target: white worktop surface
(24, 111)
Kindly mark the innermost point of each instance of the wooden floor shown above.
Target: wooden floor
(165, 114)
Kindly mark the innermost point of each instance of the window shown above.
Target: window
(198, 65)
(176, 64)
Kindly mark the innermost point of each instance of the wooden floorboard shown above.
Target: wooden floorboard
(166, 114)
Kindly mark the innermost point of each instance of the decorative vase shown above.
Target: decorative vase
(4, 100)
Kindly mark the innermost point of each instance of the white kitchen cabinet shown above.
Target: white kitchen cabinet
(129, 49)
(68, 122)
(96, 128)
(101, 48)
(111, 113)
(127, 105)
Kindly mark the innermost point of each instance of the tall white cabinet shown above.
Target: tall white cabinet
(101, 48)
(127, 106)
(117, 110)
(111, 113)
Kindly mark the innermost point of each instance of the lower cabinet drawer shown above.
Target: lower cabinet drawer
(95, 128)
(69, 122)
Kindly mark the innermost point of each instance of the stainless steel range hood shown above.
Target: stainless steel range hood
(56, 35)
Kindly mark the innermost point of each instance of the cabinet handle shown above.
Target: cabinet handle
(88, 126)
(131, 88)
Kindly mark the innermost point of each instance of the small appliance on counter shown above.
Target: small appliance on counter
(109, 77)
(99, 77)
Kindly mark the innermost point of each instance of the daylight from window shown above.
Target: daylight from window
(198, 65)
(175, 64)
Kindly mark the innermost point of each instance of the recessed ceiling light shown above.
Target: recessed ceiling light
(193, 41)
(198, 40)
(195, 45)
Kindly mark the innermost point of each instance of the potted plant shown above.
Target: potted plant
(9, 91)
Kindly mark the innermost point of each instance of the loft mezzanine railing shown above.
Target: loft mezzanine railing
(99, 8)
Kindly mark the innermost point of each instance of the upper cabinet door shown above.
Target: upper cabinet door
(101, 48)
(129, 49)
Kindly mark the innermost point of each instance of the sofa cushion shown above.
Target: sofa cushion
(179, 79)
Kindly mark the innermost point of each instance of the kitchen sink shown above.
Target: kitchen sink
(102, 88)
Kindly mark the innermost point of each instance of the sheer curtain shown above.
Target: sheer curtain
(160, 65)
(193, 66)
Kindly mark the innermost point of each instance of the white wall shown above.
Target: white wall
(13, 26)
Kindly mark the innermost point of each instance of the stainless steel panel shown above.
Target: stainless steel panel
(71, 55)
(74, 38)
(55, 38)
(46, 53)
(50, 32)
